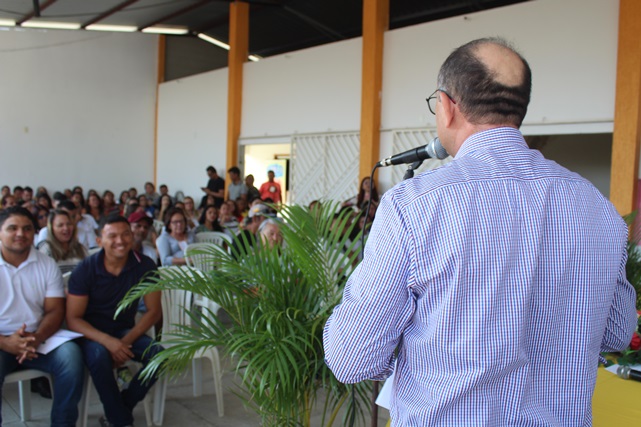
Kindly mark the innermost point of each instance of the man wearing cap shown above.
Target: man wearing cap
(246, 239)
(140, 225)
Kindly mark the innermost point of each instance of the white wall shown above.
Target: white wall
(311, 90)
(192, 131)
(76, 107)
(570, 45)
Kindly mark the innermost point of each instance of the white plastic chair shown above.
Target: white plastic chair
(201, 261)
(158, 226)
(23, 378)
(216, 237)
(175, 302)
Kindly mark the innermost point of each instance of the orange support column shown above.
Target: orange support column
(627, 111)
(239, 46)
(375, 23)
(160, 79)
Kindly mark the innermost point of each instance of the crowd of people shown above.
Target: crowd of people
(97, 240)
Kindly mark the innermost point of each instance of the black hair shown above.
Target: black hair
(17, 188)
(112, 219)
(211, 169)
(482, 99)
(171, 212)
(234, 169)
(17, 211)
(29, 189)
(59, 196)
(68, 205)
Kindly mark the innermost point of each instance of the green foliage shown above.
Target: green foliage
(279, 300)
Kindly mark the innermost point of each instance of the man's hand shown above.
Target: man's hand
(120, 352)
(21, 344)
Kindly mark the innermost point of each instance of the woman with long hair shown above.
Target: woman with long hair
(164, 204)
(190, 212)
(109, 202)
(172, 244)
(62, 242)
(94, 207)
(208, 220)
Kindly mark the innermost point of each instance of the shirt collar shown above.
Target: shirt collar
(132, 261)
(31, 258)
(491, 139)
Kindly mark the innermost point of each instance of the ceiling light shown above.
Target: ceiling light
(118, 28)
(213, 41)
(254, 58)
(7, 23)
(51, 24)
(166, 30)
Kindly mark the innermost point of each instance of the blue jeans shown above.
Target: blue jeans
(65, 365)
(118, 405)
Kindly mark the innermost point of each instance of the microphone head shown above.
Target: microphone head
(623, 372)
(435, 149)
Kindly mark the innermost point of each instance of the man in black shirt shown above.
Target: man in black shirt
(215, 187)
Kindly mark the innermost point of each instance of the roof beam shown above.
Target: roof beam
(31, 14)
(330, 32)
(175, 14)
(110, 12)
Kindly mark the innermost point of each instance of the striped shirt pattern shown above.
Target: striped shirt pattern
(498, 278)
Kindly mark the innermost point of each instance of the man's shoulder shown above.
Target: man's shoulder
(42, 260)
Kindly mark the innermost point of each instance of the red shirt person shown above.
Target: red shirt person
(270, 189)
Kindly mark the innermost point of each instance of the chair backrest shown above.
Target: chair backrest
(198, 255)
(175, 303)
(216, 237)
(158, 226)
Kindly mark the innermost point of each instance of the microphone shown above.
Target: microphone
(628, 374)
(433, 150)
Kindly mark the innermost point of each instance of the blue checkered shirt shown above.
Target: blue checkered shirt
(499, 278)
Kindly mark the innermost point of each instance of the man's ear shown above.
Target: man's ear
(448, 110)
(99, 241)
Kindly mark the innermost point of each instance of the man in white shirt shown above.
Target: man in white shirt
(32, 308)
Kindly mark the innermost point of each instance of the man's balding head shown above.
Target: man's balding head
(490, 82)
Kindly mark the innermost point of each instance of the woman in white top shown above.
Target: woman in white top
(62, 242)
(171, 244)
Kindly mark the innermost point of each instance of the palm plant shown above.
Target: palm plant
(278, 300)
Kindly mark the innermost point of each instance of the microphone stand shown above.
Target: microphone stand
(409, 173)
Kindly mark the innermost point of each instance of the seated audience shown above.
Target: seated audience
(133, 193)
(17, 193)
(79, 200)
(29, 315)
(208, 220)
(6, 190)
(109, 203)
(57, 198)
(140, 225)
(94, 207)
(9, 201)
(96, 287)
(269, 232)
(165, 203)
(27, 195)
(172, 243)
(41, 217)
(246, 238)
(227, 219)
(190, 212)
(44, 200)
(152, 195)
(62, 243)
(86, 226)
(146, 205)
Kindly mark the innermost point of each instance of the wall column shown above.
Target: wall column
(627, 110)
(239, 47)
(160, 77)
(375, 23)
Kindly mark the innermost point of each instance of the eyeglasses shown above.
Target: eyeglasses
(433, 99)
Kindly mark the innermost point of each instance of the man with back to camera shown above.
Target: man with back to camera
(507, 274)
(96, 287)
(32, 308)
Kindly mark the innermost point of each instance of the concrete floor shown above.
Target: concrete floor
(182, 409)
